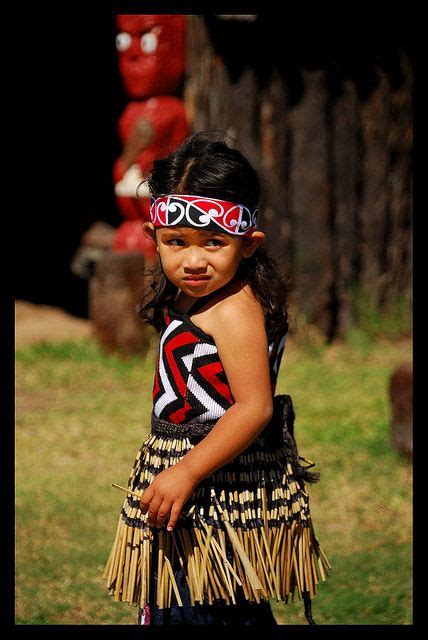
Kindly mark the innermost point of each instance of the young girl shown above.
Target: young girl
(216, 520)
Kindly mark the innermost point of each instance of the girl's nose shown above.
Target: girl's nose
(194, 260)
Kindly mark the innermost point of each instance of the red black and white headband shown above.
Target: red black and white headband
(198, 212)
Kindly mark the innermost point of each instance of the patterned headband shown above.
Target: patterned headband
(198, 212)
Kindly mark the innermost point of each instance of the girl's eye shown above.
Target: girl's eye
(219, 242)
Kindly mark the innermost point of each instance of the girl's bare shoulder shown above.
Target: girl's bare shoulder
(238, 299)
(236, 306)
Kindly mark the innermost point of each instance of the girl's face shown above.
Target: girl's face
(198, 261)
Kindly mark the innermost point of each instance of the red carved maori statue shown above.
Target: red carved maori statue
(151, 54)
(153, 123)
(148, 130)
(151, 64)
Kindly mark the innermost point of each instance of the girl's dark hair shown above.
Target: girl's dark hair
(205, 166)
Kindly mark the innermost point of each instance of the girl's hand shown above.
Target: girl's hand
(167, 494)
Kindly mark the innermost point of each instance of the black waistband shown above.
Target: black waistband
(192, 428)
(278, 433)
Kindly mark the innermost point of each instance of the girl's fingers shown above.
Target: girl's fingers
(163, 512)
(145, 499)
(175, 514)
(153, 511)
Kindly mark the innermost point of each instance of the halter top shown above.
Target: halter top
(190, 382)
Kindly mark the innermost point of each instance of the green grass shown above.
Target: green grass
(372, 320)
(82, 415)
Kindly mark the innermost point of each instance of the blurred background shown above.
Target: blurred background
(328, 125)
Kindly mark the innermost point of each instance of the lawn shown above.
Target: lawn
(81, 415)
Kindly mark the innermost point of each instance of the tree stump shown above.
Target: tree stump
(401, 396)
(115, 293)
(93, 244)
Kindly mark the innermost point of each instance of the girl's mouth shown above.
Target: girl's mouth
(196, 281)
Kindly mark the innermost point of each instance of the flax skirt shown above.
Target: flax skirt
(244, 536)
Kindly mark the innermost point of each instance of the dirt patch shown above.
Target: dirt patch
(42, 323)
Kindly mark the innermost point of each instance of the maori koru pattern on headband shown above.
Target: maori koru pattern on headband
(203, 213)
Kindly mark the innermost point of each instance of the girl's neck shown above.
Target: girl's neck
(189, 301)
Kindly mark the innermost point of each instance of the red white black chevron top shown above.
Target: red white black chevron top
(190, 382)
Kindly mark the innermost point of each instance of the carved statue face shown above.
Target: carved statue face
(151, 53)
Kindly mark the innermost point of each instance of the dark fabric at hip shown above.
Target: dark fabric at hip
(218, 613)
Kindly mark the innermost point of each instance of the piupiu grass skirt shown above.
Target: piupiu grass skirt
(254, 510)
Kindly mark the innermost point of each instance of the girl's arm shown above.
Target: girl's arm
(237, 326)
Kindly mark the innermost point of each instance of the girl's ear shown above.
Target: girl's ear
(149, 229)
(251, 243)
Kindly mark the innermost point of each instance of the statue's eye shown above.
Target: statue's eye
(149, 42)
(123, 41)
